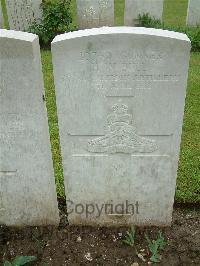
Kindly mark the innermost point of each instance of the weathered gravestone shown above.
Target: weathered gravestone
(135, 7)
(120, 97)
(95, 13)
(22, 13)
(193, 13)
(27, 186)
(1, 17)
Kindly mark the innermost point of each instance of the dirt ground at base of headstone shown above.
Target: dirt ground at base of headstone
(76, 245)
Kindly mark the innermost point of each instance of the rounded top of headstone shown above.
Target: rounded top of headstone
(18, 35)
(121, 30)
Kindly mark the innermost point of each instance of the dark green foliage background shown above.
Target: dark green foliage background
(56, 19)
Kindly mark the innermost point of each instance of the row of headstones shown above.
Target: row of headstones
(120, 95)
(94, 13)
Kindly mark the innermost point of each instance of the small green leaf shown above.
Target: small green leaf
(130, 237)
(7, 263)
(148, 239)
(155, 258)
(125, 241)
(22, 260)
(161, 241)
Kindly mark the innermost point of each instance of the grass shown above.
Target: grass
(188, 182)
(119, 12)
(175, 12)
(74, 14)
(53, 120)
(5, 21)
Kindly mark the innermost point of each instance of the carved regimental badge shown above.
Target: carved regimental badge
(121, 136)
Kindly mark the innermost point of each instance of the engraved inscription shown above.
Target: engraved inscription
(4, 174)
(1, 89)
(7, 173)
(91, 15)
(122, 68)
(22, 13)
(121, 136)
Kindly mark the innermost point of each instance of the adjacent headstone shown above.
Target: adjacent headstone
(95, 13)
(120, 96)
(193, 13)
(22, 13)
(134, 8)
(1, 17)
(27, 185)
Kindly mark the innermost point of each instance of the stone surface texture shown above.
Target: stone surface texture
(193, 13)
(95, 13)
(22, 13)
(27, 185)
(120, 96)
(135, 7)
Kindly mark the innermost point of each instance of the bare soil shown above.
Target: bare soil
(73, 245)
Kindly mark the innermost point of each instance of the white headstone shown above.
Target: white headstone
(95, 13)
(193, 13)
(120, 97)
(135, 7)
(22, 13)
(27, 185)
(1, 17)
